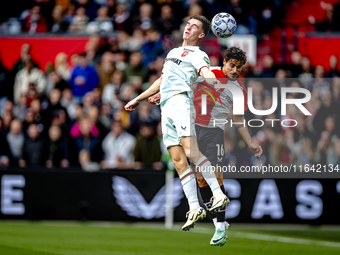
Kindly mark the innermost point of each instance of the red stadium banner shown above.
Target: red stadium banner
(43, 48)
(318, 48)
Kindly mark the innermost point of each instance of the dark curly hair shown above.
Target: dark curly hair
(235, 53)
(204, 20)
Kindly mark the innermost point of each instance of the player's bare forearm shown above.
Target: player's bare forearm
(241, 128)
(154, 88)
(243, 131)
(208, 76)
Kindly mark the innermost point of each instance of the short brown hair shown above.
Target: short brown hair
(204, 20)
(235, 53)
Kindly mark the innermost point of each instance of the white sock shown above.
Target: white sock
(220, 225)
(204, 166)
(189, 187)
(215, 221)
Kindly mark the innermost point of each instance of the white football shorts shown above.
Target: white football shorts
(178, 119)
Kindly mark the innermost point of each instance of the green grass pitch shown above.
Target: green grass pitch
(71, 238)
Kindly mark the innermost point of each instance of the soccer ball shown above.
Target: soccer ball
(223, 25)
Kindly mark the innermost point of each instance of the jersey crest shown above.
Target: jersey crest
(185, 53)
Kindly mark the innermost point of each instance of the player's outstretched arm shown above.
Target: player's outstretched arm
(243, 131)
(154, 88)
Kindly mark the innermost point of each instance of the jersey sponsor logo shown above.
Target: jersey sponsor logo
(219, 159)
(188, 50)
(175, 60)
(184, 128)
(185, 53)
(206, 60)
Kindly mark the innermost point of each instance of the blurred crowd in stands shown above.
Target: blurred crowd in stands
(71, 114)
(89, 16)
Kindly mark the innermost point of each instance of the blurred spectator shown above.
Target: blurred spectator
(56, 82)
(61, 66)
(15, 139)
(323, 146)
(29, 75)
(135, 73)
(5, 152)
(90, 6)
(118, 148)
(6, 122)
(19, 110)
(105, 69)
(131, 43)
(41, 116)
(34, 151)
(69, 103)
(83, 79)
(59, 24)
(34, 22)
(8, 107)
(5, 85)
(19, 65)
(111, 90)
(326, 24)
(333, 155)
(79, 21)
(336, 89)
(295, 68)
(153, 47)
(121, 18)
(319, 82)
(236, 9)
(306, 76)
(93, 115)
(100, 24)
(105, 116)
(268, 67)
(58, 148)
(70, 11)
(336, 17)
(147, 142)
(111, 4)
(53, 105)
(85, 162)
(166, 23)
(144, 20)
(334, 72)
(87, 141)
(329, 107)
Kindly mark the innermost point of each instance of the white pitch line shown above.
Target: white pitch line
(272, 238)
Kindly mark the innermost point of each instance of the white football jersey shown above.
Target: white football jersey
(181, 69)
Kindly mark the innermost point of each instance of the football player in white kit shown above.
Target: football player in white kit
(182, 67)
(210, 127)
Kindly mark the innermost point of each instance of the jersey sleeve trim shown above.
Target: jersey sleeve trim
(201, 69)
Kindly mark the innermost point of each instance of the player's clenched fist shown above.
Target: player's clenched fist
(155, 99)
(131, 106)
